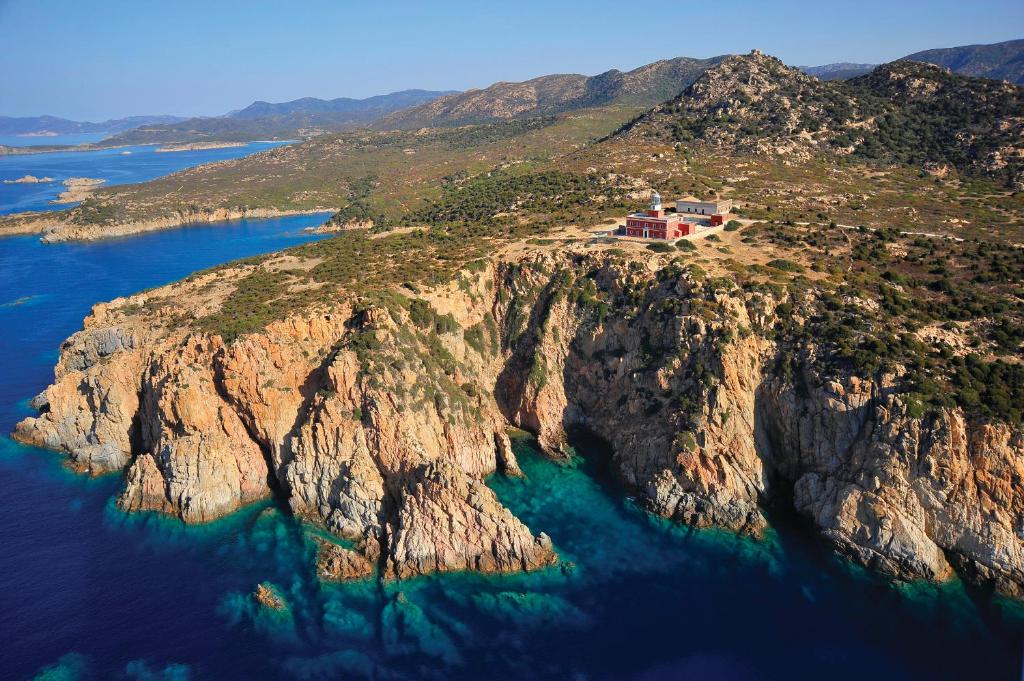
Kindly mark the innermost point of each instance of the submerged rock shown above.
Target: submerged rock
(268, 597)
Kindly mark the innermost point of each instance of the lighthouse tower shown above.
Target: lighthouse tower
(656, 210)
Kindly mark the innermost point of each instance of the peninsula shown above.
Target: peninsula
(833, 326)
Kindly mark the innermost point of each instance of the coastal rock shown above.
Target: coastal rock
(381, 427)
(29, 179)
(78, 188)
(267, 596)
(194, 439)
(337, 564)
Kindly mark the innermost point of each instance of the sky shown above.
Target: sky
(100, 59)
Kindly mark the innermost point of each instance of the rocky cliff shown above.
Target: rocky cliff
(379, 419)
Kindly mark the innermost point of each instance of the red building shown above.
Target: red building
(654, 223)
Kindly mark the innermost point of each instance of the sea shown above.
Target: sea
(122, 165)
(89, 592)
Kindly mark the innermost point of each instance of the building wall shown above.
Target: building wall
(704, 207)
(655, 229)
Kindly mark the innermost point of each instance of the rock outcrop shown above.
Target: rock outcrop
(58, 226)
(380, 419)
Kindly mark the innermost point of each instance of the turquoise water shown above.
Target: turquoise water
(116, 166)
(88, 592)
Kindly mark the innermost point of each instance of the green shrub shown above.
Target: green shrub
(786, 265)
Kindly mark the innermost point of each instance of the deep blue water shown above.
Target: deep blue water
(116, 166)
(89, 592)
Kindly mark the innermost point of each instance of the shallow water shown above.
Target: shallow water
(116, 166)
(89, 592)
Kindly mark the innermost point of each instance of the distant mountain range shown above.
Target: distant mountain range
(408, 109)
(641, 87)
(42, 125)
(354, 109)
(999, 61)
(264, 120)
(840, 71)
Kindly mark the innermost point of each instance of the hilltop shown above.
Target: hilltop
(546, 95)
(903, 112)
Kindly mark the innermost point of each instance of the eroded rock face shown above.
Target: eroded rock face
(366, 423)
(381, 426)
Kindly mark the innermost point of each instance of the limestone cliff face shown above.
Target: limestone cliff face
(380, 419)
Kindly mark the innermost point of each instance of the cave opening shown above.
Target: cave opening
(598, 460)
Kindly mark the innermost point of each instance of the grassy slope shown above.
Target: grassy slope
(406, 167)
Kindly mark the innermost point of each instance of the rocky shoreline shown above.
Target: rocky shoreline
(198, 146)
(54, 226)
(78, 189)
(382, 430)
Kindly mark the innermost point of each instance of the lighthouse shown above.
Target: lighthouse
(655, 224)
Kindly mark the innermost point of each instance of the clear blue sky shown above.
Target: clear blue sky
(96, 59)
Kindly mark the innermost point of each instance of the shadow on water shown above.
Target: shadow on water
(636, 597)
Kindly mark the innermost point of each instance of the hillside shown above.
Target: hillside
(903, 112)
(1000, 61)
(35, 125)
(641, 87)
(784, 143)
(363, 174)
(264, 120)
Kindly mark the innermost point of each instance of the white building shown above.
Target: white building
(694, 206)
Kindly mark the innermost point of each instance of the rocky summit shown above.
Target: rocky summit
(904, 112)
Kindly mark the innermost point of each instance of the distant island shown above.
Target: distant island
(198, 146)
(29, 179)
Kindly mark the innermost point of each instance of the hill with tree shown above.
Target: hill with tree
(903, 112)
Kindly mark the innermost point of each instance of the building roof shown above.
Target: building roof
(691, 198)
